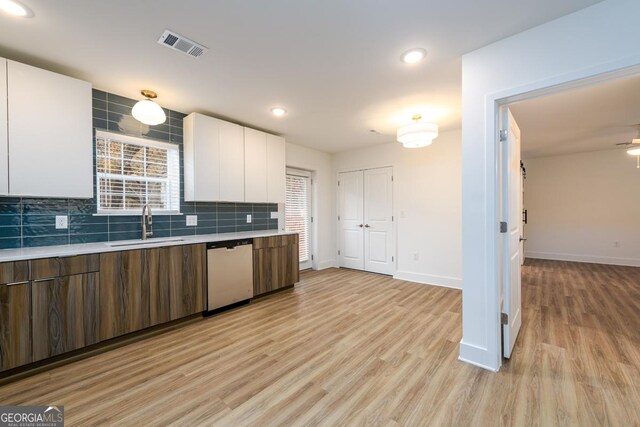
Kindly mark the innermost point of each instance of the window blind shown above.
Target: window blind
(297, 212)
(132, 172)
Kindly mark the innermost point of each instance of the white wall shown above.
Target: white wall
(324, 244)
(580, 204)
(601, 38)
(427, 205)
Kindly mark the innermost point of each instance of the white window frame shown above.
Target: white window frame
(146, 143)
(304, 265)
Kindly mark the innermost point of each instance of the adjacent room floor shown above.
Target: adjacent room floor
(347, 348)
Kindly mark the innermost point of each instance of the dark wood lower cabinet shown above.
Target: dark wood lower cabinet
(275, 263)
(15, 325)
(175, 277)
(65, 314)
(124, 296)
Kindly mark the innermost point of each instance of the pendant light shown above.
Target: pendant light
(147, 111)
(417, 134)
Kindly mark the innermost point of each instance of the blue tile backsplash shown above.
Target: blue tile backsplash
(28, 222)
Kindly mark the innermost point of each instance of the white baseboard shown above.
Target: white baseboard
(429, 279)
(329, 263)
(632, 262)
(476, 356)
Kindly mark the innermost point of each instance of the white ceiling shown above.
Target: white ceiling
(333, 64)
(591, 118)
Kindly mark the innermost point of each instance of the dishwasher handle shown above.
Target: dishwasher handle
(229, 244)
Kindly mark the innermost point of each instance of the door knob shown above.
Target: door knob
(522, 239)
(360, 225)
(367, 226)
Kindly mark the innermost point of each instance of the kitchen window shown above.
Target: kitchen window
(132, 172)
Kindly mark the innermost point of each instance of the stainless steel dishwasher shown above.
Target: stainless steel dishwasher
(230, 273)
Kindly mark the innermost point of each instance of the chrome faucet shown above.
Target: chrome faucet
(147, 221)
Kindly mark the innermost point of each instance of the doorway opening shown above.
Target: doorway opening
(298, 212)
(569, 209)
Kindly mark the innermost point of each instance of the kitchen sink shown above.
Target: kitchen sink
(134, 243)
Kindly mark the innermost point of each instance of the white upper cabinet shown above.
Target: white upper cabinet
(201, 158)
(276, 169)
(4, 142)
(50, 135)
(255, 166)
(231, 162)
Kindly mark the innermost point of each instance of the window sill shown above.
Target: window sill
(138, 213)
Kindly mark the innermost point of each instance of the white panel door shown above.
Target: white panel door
(231, 162)
(378, 228)
(201, 158)
(255, 166)
(4, 147)
(50, 134)
(351, 219)
(512, 214)
(276, 169)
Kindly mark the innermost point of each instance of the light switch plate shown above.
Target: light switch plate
(249, 219)
(192, 220)
(274, 215)
(62, 222)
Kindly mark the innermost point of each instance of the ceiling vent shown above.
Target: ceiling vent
(177, 42)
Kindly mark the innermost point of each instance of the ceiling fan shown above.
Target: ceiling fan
(633, 146)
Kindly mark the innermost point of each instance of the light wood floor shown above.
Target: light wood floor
(350, 348)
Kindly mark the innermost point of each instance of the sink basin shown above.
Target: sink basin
(132, 243)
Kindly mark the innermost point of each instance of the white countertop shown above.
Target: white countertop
(124, 245)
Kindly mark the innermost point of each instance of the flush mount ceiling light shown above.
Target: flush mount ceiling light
(417, 134)
(147, 111)
(278, 111)
(413, 55)
(15, 8)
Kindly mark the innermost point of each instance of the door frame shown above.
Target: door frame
(312, 262)
(394, 229)
(493, 103)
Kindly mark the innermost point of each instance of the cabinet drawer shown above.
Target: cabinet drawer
(14, 272)
(65, 266)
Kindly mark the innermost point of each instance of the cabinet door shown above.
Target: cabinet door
(231, 162)
(124, 296)
(255, 166)
(154, 276)
(275, 263)
(276, 169)
(201, 158)
(50, 134)
(65, 314)
(4, 148)
(186, 278)
(15, 327)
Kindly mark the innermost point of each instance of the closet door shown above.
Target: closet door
(351, 219)
(378, 225)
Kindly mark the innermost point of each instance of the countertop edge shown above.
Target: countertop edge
(39, 252)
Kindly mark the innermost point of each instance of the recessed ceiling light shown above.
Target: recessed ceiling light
(278, 111)
(413, 55)
(15, 8)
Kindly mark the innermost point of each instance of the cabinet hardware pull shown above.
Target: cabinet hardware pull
(17, 283)
(43, 280)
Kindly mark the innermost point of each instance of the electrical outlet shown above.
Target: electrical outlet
(274, 215)
(192, 220)
(416, 256)
(249, 219)
(62, 222)
(616, 244)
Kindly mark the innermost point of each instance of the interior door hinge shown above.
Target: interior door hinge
(338, 183)
(392, 259)
(338, 251)
(312, 182)
(391, 218)
(504, 134)
(338, 217)
(391, 178)
(312, 220)
(503, 227)
(311, 257)
(504, 318)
